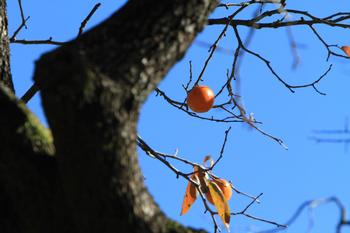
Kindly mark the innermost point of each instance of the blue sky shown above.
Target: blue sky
(253, 162)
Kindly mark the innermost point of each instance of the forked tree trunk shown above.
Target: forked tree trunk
(92, 90)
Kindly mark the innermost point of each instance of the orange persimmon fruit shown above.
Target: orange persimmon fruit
(200, 99)
(346, 50)
(225, 188)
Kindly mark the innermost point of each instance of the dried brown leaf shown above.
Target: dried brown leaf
(346, 50)
(190, 196)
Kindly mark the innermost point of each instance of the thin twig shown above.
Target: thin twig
(214, 46)
(36, 42)
(162, 158)
(23, 24)
(50, 41)
(22, 13)
(34, 88)
(23, 21)
(311, 205)
(227, 5)
(251, 203)
(244, 194)
(86, 20)
(222, 149)
(327, 46)
(181, 105)
(268, 64)
(212, 50)
(148, 150)
(280, 226)
(255, 22)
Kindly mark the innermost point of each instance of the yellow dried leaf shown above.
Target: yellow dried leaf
(220, 203)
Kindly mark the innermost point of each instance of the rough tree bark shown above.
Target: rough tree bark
(5, 74)
(86, 177)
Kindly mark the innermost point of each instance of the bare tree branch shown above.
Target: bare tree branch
(163, 159)
(86, 20)
(49, 41)
(34, 89)
(311, 206)
(333, 21)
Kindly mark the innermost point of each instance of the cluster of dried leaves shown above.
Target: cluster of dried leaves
(200, 182)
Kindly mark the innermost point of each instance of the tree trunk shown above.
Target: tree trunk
(92, 90)
(5, 74)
